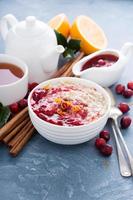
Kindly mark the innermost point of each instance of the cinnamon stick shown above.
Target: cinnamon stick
(18, 147)
(68, 72)
(21, 134)
(13, 123)
(15, 130)
(62, 69)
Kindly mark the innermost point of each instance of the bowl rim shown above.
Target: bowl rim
(83, 81)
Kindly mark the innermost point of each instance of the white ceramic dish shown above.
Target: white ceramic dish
(15, 91)
(75, 134)
(105, 76)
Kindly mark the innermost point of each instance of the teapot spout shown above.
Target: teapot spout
(50, 60)
(127, 50)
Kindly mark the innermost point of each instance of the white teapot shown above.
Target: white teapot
(34, 42)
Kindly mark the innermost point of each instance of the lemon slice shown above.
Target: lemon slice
(61, 24)
(91, 35)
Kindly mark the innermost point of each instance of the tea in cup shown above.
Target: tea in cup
(13, 79)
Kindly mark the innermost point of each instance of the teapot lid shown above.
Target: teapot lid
(31, 27)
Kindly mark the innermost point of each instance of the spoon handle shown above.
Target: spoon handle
(129, 156)
(123, 165)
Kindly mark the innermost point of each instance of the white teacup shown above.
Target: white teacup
(15, 91)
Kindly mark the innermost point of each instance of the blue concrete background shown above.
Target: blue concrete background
(46, 171)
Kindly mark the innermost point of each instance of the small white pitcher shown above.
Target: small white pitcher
(105, 76)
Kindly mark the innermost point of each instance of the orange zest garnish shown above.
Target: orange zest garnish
(75, 108)
(60, 112)
(46, 87)
(58, 100)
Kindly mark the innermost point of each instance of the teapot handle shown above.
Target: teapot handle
(127, 50)
(6, 21)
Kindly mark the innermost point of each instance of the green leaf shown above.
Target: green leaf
(4, 114)
(74, 44)
(68, 53)
(61, 40)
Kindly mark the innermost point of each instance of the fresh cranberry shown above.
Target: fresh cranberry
(125, 122)
(99, 142)
(14, 108)
(31, 86)
(120, 89)
(130, 85)
(106, 150)
(105, 135)
(124, 108)
(128, 93)
(101, 62)
(22, 103)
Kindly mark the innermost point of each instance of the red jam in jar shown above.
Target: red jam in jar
(105, 60)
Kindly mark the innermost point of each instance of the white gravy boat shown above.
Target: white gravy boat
(105, 76)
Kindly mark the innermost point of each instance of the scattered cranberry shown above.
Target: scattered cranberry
(23, 103)
(130, 85)
(120, 89)
(105, 135)
(106, 150)
(124, 108)
(99, 142)
(31, 86)
(128, 93)
(14, 108)
(125, 122)
(101, 62)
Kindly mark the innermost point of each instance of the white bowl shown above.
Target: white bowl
(15, 91)
(74, 134)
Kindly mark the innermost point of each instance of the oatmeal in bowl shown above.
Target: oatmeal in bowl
(70, 109)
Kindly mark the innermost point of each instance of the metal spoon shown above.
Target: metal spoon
(123, 164)
(125, 170)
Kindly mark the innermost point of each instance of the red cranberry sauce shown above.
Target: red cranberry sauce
(59, 111)
(105, 60)
(52, 105)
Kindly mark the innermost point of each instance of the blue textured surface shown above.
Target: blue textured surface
(46, 171)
